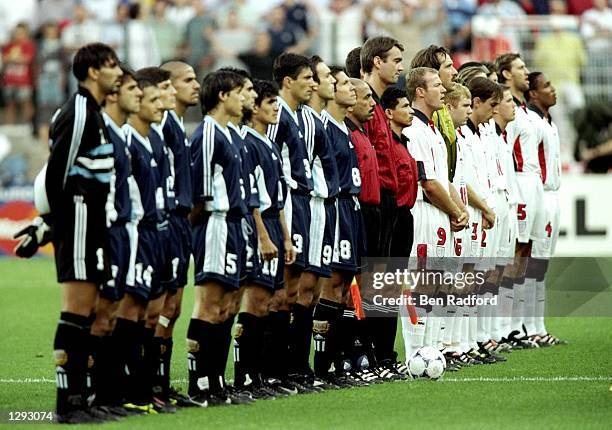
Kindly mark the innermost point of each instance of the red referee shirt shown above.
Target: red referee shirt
(380, 135)
(407, 177)
(368, 164)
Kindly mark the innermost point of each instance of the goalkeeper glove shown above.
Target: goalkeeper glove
(32, 237)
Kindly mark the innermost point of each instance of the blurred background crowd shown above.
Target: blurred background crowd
(570, 40)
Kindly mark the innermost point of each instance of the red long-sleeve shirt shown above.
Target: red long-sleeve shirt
(407, 176)
(368, 164)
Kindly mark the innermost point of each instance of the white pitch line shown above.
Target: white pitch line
(481, 379)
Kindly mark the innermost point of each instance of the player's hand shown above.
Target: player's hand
(290, 253)
(458, 224)
(32, 237)
(488, 219)
(268, 249)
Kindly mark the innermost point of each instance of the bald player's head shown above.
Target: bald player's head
(185, 82)
(175, 68)
(364, 108)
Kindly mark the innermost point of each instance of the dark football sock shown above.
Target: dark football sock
(224, 345)
(165, 361)
(129, 338)
(325, 320)
(201, 343)
(71, 356)
(245, 349)
(299, 339)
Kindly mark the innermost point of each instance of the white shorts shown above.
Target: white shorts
(507, 237)
(432, 236)
(545, 248)
(473, 235)
(529, 216)
(492, 238)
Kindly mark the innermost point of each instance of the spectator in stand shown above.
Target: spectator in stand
(260, 60)
(13, 13)
(167, 34)
(247, 12)
(102, 11)
(59, 11)
(51, 78)
(113, 33)
(597, 27)
(504, 9)
(198, 40)
(339, 30)
(381, 12)
(459, 14)
(301, 14)
(183, 11)
(432, 19)
(229, 41)
(17, 59)
(284, 35)
(142, 50)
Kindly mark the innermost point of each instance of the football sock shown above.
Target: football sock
(518, 305)
(346, 339)
(129, 339)
(71, 356)
(506, 297)
(225, 342)
(465, 329)
(473, 338)
(247, 336)
(325, 320)
(201, 349)
(165, 361)
(276, 349)
(450, 321)
(105, 371)
(530, 306)
(299, 339)
(540, 307)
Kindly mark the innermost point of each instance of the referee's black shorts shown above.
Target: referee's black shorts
(388, 214)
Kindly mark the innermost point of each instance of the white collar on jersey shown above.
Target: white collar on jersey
(342, 126)
(178, 120)
(112, 124)
(283, 105)
(144, 141)
(312, 110)
(237, 129)
(222, 129)
(265, 139)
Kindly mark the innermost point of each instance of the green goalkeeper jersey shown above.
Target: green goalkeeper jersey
(442, 119)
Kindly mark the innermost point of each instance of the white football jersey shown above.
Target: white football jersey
(549, 151)
(525, 136)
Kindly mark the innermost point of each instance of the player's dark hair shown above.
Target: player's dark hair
(428, 57)
(220, 81)
(334, 71)
(377, 47)
(469, 64)
(353, 63)
(504, 62)
(314, 61)
(468, 73)
(484, 89)
(490, 67)
(128, 72)
(288, 64)
(241, 72)
(264, 90)
(93, 55)
(533, 83)
(416, 79)
(154, 74)
(391, 96)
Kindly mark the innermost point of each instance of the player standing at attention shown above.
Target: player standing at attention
(381, 64)
(124, 210)
(294, 76)
(541, 96)
(77, 184)
(218, 243)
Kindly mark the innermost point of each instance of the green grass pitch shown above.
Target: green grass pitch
(559, 387)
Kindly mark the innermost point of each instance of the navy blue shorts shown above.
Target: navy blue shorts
(121, 260)
(349, 237)
(251, 266)
(218, 247)
(322, 232)
(149, 268)
(169, 257)
(297, 215)
(179, 249)
(272, 273)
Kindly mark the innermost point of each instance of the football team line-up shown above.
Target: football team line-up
(279, 195)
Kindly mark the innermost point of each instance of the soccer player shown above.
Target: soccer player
(218, 243)
(541, 96)
(123, 215)
(381, 64)
(184, 81)
(77, 184)
(322, 227)
(524, 136)
(275, 247)
(131, 336)
(293, 74)
(438, 208)
(353, 63)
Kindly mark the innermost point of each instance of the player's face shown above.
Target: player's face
(345, 91)
(130, 96)
(267, 112)
(485, 110)
(364, 108)
(325, 87)
(402, 114)
(109, 77)
(234, 101)
(545, 91)
(167, 94)
(391, 68)
(448, 73)
(434, 93)
(505, 108)
(151, 106)
(519, 75)
(301, 86)
(461, 112)
(249, 95)
(187, 87)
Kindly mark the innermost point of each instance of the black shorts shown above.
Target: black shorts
(403, 233)
(388, 213)
(179, 249)
(122, 258)
(272, 273)
(169, 257)
(348, 237)
(251, 266)
(371, 229)
(218, 249)
(149, 267)
(81, 242)
(297, 214)
(322, 232)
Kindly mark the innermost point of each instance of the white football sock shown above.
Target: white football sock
(465, 329)
(517, 308)
(540, 307)
(506, 295)
(450, 321)
(530, 305)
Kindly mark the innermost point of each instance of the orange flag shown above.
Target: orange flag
(409, 307)
(356, 295)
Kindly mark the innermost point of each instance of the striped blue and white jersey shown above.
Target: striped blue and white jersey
(271, 185)
(320, 153)
(147, 173)
(165, 159)
(288, 137)
(216, 169)
(346, 157)
(249, 163)
(178, 145)
(81, 160)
